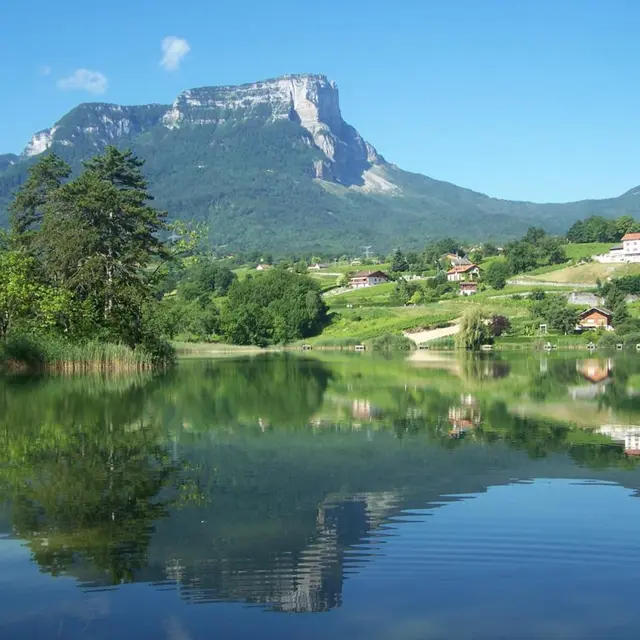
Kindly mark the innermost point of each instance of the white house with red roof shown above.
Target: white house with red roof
(368, 279)
(463, 273)
(627, 251)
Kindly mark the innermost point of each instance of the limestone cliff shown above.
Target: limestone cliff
(311, 100)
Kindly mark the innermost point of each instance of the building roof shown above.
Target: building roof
(369, 274)
(463, 268)
(602, 310)
(468, 285)
(631, 236)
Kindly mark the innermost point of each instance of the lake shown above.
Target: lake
(338, 496)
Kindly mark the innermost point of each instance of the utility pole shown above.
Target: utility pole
(367, 251)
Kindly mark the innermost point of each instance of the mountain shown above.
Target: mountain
(272, 165)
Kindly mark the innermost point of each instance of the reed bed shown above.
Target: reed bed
(54, 354)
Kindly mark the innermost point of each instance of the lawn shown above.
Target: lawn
(588, 273)
(369, 296)
(367, 323)
(586, 250)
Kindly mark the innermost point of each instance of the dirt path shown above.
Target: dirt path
(433, 334)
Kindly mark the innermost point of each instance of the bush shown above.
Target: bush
(608, 340)
(631, 339)
(391, 342)
(499, 325)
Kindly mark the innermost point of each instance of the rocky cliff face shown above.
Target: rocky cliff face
(95, 125)
(310, 100)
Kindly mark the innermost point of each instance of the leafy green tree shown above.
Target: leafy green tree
(206, 278)
(557, 313)
(474, 330)
(274, 308)
(25, 302)
(496, 274)
(342, 281)
(521, 257)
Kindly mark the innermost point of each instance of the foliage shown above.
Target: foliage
(499, 325)
(275, 308)
(599, 229)
(496, 274)
(56, 353)
(83, 267)
(25, 302)
(27, 209)
(474, 330)
(391, 342)
(536, 249)
(555, 311)
(399, 263)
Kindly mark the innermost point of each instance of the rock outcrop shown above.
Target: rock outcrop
(311, 100)
(95, 125)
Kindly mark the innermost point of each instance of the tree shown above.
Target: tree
(98, 238)
(496, 274)
(521, 257)
(26, 303)
(27, 209)
(474, 331)
(342, 281)
(556, 312)
(499, 325)
(275, 308)
(204, 279)
(399, 263)
(620, 314)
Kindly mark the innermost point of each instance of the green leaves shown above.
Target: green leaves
(276, 308)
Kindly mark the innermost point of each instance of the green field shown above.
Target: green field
(581, 251)
(587, 273)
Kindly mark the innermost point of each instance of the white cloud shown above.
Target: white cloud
(174, 49)
(84, 80)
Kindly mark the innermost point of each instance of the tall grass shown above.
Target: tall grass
(30, 353)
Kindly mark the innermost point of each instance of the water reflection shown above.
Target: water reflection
(271, 480)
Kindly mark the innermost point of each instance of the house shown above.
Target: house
(631, 245)
(319, 265)
(455, 260)
(263, 267)
(468, 288)
(463, 273)
(628, 251)
(595, 318)
(368, 279)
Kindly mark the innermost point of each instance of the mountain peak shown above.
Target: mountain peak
(312, 100)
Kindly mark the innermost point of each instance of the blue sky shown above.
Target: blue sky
(521, 99)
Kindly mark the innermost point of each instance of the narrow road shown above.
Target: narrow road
(432, 334)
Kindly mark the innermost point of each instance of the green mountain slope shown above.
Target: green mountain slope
(272, 165)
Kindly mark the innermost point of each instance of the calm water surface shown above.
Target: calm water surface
(336, 497)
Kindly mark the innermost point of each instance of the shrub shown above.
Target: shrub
(499, 325)
(608, 341)
(391, 342)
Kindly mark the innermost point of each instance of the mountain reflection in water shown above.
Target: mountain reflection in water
(272, 480)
